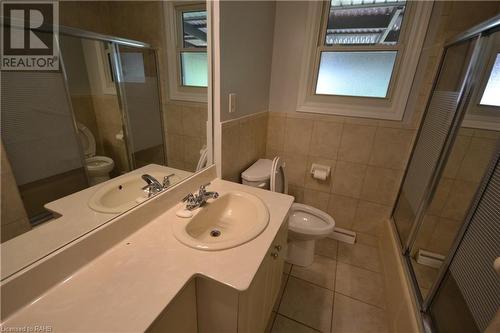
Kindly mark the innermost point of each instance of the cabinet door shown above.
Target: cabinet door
(278, 254)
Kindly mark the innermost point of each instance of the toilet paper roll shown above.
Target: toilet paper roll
(320, 174)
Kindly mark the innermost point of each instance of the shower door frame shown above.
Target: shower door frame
(469, 82)
(120, 90)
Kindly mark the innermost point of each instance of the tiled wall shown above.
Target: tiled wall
(13, 215)
(367, 159)
(467, 164)
(186, 133)
(243, 142)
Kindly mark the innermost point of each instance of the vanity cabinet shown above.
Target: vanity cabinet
(223, 309)
(256, 303)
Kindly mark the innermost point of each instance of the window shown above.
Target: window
(357, 51)
(491, 96)
(192, 46)
(186, 49)
(359, 48)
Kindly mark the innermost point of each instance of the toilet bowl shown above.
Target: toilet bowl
(98, 167)
(306, 224)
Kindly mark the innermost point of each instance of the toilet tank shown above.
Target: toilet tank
(258, 174)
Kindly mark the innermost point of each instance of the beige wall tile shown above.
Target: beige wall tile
(440, 196)
(325, 140)
(443, 236)
(348, 179)
(356, 144)
(391, 147)
(477, 159)
(298, 136)
(456, 156)
(316, 199)
(459, 200)
(276, 132)
(369, 216)
(297, 193)
(316, 184)
(296, 166)
(381, 185)
(343, 210)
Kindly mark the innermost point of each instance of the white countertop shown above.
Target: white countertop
(76, 218)
(128, 286)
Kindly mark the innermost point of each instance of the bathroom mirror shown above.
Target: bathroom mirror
(129, 100)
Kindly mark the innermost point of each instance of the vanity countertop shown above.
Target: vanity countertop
(128, 286)
(68, 209)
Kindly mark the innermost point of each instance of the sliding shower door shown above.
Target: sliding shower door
(141, 105)
(440, 116)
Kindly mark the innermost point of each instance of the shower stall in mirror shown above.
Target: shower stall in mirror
(452, 164)
(96, 118)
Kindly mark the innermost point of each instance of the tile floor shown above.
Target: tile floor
(341, 292)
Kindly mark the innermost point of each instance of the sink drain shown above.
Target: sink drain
(215, 233)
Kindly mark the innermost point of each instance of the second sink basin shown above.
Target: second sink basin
(231, 220)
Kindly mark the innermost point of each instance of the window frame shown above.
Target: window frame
(174, 36)
(390, 107)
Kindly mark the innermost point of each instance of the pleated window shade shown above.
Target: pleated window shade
(37, 125)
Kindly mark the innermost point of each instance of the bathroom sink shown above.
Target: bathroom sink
(229, 221)
(121, 194)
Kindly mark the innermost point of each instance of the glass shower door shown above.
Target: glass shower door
(440, 116)
(141, 105)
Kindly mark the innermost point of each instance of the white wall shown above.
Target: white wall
(289, 41)
(246, 44)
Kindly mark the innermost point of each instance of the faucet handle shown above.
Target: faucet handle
(188, 197)
(166, 180)
(204, 186)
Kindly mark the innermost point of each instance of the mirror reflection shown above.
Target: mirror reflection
(124, 118)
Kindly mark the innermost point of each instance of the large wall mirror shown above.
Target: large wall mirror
(123, 119)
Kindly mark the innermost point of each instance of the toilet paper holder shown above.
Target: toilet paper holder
(319, 167)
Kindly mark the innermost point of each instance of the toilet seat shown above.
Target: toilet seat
(309, 221)
(98, 167)
(279, 181)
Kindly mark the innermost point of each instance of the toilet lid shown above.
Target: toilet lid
(87, 140)
(202, 162)
(279, 182)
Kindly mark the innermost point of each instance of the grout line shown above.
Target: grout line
(334, 285)
(299, 322)
(360, 267)
(314, 284)
(359, 300)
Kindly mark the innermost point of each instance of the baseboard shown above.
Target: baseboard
(343, 235)
(428, 258)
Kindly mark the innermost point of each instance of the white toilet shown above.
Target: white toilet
(305, 223)
(98, 167)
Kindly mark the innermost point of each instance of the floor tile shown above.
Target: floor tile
(308, 304)
(352, 316)
(285, 325)
(284, 279)
(287, 268)
(359, 255)
(366, 239)
(320, 272)
(270, 322)
(359, 283)
(326, 247)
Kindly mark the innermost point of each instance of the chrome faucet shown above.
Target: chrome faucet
(199, 199)
(153, 185)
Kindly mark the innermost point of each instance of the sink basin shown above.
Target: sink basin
(121, 194)
(231, 220)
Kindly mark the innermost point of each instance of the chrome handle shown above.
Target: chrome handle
(278, 247)
(274, 255)
(188, 197)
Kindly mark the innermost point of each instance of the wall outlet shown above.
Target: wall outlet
(232, 102)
